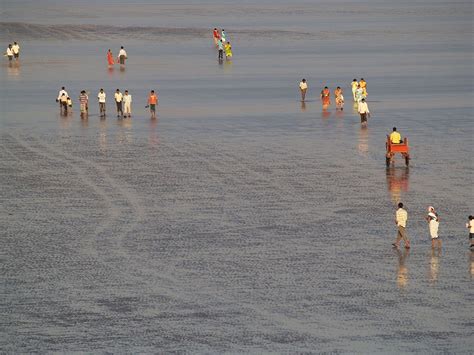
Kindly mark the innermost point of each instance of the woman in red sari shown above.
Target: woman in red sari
(325, 97)
(110, 58)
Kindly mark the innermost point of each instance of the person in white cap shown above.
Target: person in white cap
(433, 222)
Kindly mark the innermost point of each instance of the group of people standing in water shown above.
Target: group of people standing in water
(121, 57)
(123, 103)
(359, 94)
(222, 44)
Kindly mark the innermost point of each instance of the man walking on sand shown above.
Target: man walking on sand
(364, 112)
(303, 89)
(60, 94)
(101, 96)
(401, 217)
(84, 104)
(127, 104)
(152, 102)
(122, 56)
(118, 101)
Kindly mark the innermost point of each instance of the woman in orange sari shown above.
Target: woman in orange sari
(325, 97)
(110, 58)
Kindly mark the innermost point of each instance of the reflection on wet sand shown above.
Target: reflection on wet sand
(84, 122)
(303, 106)
(363, 144)
(103, 135)
(471, 264)
(402, 270)
(13, 69)
(153, 140)
(228, 66)
(125, 134)
(397, 182)
(434, 265)
(325, 114)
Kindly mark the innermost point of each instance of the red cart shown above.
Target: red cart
(393, 148)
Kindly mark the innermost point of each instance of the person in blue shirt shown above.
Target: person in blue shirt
(220, 47)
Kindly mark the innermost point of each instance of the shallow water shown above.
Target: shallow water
(240, 220)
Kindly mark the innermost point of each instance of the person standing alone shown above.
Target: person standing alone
(303, 89)
(433, 223)
(152, 102)
(401, 217)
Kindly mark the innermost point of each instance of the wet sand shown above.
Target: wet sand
(240, 220)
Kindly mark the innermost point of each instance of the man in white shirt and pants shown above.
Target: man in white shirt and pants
(364, 112)
(127, 104)
(101, 97)
(401, 217)
(122, 56)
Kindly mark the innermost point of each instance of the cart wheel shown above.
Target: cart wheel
(407, 160)
(387, 161)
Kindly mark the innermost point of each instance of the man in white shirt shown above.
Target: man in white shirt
(364, 112)
(61, 92)
(16, 50)
(401, 217)
(118, 101)
(127, 103)
(9, 52)
(303, 89)
(101, 97)
(122, 56)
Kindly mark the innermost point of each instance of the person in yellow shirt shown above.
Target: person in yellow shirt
(395, 137)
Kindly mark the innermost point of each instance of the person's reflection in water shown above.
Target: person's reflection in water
(363, 144)
(13, 68)
(303, 106)
(227, 66)
(434, 265)
(397, 182)
(85, 123)
(402, 270)
(125, 134)
(471, 264)
(325, 114)
(103, 135)
(122, 69)
(153, 140)
(111, 71)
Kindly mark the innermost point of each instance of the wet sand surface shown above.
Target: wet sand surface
(240, 220)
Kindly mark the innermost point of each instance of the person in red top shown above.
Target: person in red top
(152, 102)
(325, 97)
(110, 58)
(216, 36)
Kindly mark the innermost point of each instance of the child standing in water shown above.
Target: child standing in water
(228, 51)
(223, 36)
(339, 98)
